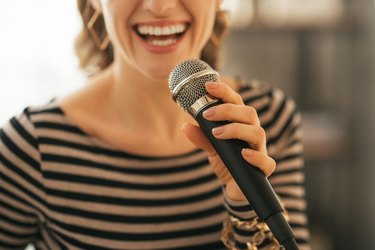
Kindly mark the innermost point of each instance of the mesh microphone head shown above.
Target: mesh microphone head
(193, 88)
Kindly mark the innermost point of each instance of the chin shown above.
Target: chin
(160, 68)
(160, 71)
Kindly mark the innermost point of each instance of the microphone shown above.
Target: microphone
(187, 85)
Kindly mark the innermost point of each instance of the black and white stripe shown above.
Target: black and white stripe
(62, 189)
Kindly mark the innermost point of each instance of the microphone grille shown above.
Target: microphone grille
(194, 87)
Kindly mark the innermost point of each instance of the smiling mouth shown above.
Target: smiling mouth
(161, 36)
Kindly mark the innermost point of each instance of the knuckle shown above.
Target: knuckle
(252, 115)
(260, 132)
(224, 109)
(233, 130)
(273, 165)
(269, 166)
(238, 99)
(252, 111)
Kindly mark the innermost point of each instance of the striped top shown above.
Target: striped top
(60, 188)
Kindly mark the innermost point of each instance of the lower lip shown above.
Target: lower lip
(162, 49)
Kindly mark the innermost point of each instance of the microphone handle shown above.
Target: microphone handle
(249, 178)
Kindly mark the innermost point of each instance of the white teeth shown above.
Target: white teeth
(157, 31)
(161, 31)
(161, 43)
(166, 30)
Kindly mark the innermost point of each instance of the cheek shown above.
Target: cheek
(116, 15)
(204, 36)
(204, 23)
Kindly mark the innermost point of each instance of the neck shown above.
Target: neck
(138, 101)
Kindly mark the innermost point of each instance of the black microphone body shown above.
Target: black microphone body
(250, 179)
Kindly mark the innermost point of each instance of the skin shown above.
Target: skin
(112, 98)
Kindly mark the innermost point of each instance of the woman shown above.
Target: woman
(118, 165)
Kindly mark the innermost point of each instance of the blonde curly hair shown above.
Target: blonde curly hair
(93, 60)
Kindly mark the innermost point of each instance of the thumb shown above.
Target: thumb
(196, 136)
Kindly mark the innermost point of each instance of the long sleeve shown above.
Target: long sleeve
(282, 123)
(20, 188)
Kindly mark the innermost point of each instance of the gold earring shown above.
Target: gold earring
(102, 45)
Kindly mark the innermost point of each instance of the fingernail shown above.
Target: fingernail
(209, 113)
(211, 85)
(217, 131)
(247, 152)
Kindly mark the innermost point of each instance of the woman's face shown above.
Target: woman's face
(155, 35)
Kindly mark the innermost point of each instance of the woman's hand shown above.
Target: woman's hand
(244, 125)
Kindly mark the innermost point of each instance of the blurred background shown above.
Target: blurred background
(320, 52)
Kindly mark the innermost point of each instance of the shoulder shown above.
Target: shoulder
(269, 101)
(21, 130)
(19, 147)
(31, 115)
(277, 112)
(255, 92)
(21, 157)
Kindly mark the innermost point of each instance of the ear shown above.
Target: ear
(96, 5)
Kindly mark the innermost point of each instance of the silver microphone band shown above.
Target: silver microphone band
(182, 84)
(200, 104)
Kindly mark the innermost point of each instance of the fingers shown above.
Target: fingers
(223, 92)
(233, 108)
(232, 112)
(255, 136)
(244, 125)
(260, 160)
(196, 136)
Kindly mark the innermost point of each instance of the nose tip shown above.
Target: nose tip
(159, 7)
